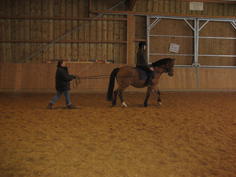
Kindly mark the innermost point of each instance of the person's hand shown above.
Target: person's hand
(151, 69)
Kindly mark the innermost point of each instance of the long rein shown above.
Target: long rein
(107, 76)
(78, 79)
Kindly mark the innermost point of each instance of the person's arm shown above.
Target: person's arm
(65, 76)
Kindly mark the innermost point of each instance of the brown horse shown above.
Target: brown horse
(128, 75)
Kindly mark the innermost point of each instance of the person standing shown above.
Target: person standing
(62, 85)
(143, 64)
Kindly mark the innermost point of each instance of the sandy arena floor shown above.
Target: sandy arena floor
(191, 134)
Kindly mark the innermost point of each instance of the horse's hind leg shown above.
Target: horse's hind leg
(119, 92)
(121, 99)
(114, 99)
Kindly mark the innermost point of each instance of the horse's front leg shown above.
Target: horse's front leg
(149, 90)
(158, 96)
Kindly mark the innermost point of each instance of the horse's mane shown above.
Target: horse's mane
(161, 62)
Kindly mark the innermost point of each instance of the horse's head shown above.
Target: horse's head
(169, 68)
(166, 64)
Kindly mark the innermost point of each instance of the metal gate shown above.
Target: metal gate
(196, 27)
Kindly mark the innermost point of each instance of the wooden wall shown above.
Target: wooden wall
(207, 46)
(178, 27)
(211, 46)
(28, 25)
(23, 32)
(182, 7)
(161, 44)
(41, 77)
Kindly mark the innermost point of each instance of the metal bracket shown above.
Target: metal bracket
(233, 24)
(189, 24)
(203, 25)
(196, 65)
(154, 23)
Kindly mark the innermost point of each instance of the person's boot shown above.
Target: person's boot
(71, 107)
(149, 80)
(49, 106)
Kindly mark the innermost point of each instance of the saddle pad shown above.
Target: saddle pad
(143, 74)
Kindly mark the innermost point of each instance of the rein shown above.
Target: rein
(77, 78)
(164, 70)
(85, 68)
(77, 81)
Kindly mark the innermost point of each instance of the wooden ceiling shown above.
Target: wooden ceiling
(212, 1)
(131, 3)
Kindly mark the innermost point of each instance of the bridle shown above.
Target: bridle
(164, 70)
(170, 71)
(155, 68)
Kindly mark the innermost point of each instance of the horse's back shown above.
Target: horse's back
(128, 69)
(129, 75)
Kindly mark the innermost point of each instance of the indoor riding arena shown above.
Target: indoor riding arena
(187, 131)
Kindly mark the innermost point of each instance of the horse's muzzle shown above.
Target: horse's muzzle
(170, 74)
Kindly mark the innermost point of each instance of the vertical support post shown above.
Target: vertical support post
(90, 8)
(148, 37)
(130, 39)
(196, 45)
(196, 41)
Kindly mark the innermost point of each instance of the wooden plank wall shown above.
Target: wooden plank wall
(171, 27)
(84, 43)
(217, 79)
(209, 46)
(182, 7)
(160, 44)
(41, 77)
(105, 39)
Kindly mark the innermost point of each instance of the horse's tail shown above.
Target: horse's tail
(112, 84)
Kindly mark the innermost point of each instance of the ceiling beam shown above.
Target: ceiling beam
(161, 14)
(212, 1)
(131, 4)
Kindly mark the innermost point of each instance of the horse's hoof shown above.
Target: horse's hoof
(145, 105)
(160, 103)
(123, 104)
(113, 103)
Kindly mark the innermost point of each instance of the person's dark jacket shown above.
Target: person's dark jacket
(63, 79)
(142, 59)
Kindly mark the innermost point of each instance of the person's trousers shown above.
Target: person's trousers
(58, 95)
(149, 73)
